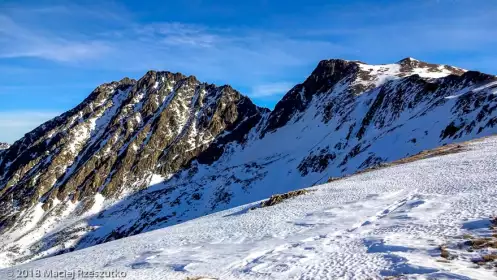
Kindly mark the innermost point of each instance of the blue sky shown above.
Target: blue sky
(54, 53)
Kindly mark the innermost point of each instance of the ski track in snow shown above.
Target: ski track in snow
(387, 222)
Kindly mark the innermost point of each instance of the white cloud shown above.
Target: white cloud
(241, 56)
(269, 90)
(19, 41)
(219, 55)
(14, 124)
(117, 41)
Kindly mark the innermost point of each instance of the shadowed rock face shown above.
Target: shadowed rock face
(139, 155)
(326, 75)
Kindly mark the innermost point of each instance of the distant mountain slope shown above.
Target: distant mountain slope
(140, 155)
(413, 221)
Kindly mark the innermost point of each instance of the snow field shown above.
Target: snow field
(387, 222)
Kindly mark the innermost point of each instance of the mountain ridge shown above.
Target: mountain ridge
(143, 154)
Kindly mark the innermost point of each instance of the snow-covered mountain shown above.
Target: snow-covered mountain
(141, 155)
(4, 146)
(420, 220)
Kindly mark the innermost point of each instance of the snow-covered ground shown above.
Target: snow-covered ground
(387, 222)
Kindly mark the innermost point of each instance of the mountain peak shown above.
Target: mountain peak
(339, 60)
(127, 81)
(361, 77)
(412, 65)
(329, 72)
(324, 77)
(407, 60)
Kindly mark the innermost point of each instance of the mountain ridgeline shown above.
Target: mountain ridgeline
(140, 155)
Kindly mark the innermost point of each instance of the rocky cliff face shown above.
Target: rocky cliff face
(140, 155)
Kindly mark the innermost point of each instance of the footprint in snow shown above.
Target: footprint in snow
(141, 265)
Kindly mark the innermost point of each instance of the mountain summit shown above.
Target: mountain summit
(140, 155)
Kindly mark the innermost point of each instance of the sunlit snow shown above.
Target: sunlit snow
(382, 223)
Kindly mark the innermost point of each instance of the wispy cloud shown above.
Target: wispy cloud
(19, 41)
(176, 34)
(117, 41)
(269, 90)
(220, 55)
(58, 33)
(14, 124)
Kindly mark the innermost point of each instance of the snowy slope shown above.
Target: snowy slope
(137, 156)
(388, 222)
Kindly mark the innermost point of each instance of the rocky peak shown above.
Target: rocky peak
(410, 65)
(119, 136)
(4, 146)
(326, 75)
(408, 60)
(356, 78)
